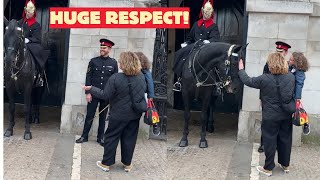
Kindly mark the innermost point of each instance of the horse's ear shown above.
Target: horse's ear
(5, 20)
(237, 48)
(245, 47)
(243, 50)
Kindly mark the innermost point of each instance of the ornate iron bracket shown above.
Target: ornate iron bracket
(160, 77)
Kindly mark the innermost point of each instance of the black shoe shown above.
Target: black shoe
(100, 141)
(261, 149)
(81, 140)
(306, 129)
(156, 130)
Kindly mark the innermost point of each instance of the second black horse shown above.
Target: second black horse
(209, 68)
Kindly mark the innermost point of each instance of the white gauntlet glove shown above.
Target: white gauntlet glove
(206, 41)
(26, 40)
(184, 45)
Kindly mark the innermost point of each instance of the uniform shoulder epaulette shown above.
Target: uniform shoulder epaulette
(95, 58)
(113, 59)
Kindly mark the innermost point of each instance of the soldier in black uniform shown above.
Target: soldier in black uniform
(204, 30)
(99, 70)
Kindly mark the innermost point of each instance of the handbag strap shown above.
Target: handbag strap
(278, 88)
(130, 90)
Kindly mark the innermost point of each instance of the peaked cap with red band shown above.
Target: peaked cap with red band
(208, 22)
(282, 46)
(106, 42)
(33, 19)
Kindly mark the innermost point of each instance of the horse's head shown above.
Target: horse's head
(231, 80)
(13, 40)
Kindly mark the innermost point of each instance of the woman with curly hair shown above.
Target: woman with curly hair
(298, 66)
(123, 119)
(276, 122)
(146, 65)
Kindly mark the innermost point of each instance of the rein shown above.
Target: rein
(220, 83)
(18, 56)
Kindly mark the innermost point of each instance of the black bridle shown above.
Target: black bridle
(14, 69)
(221, 83)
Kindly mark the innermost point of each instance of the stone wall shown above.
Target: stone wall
(295, 22)
(84, 45)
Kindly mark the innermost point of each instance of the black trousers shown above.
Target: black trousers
(91, 110)
(277, 136)
(127, 133)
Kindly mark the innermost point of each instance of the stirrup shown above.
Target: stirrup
(177, 86)
(39, 81)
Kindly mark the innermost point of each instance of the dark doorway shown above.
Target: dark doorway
(55, 40)
(230, 17)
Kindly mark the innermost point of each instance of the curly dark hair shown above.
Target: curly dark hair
(300, 61)
(145, 63)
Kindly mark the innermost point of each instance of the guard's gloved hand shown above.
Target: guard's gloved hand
(206, 41)
(26, 40)
(184, 45)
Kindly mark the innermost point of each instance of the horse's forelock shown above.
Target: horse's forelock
(12, 24)
(11, 31)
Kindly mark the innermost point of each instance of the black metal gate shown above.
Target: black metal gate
(55, 40)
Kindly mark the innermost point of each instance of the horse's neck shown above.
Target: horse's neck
(207, 65)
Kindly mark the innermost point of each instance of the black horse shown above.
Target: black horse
(209, 68)
(19, 75)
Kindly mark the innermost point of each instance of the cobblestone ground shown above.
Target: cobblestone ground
(49, 154)
(149, 161)
(193, 162)
(304, 164)
(35, 159)
(30, 159)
